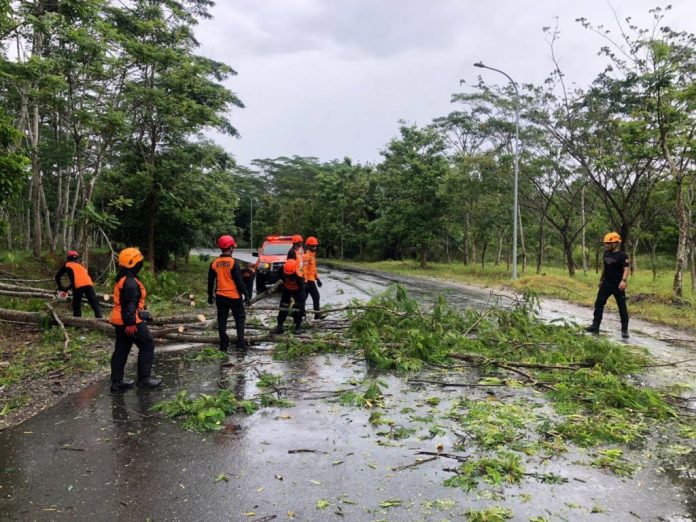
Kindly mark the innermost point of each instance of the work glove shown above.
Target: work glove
(211, 300)
(319, 283)
(130, 330)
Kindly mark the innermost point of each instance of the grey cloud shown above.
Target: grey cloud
(350, 28)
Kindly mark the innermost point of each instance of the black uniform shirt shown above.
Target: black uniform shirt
(614, 264)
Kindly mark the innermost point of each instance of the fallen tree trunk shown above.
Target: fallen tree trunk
(40, 318)
(23, 288)
(26, 293)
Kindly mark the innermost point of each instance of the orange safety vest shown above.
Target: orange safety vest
(116, 317)
(80, 275)
(225, 284)
(290, 282)
(310, 266)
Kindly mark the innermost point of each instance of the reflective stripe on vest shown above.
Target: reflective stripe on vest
(116, 317)
(225, 284)
(80, 276)
(310, 266)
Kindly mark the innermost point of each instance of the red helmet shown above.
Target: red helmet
(297, 238)
(290, 266)
(226, 242)
(312, 241)
(73, 253)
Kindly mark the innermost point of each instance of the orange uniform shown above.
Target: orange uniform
(226, 275)
(126, 310)
(310, 266)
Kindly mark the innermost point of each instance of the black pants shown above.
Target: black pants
(224, 305)
(249, 282)
(602, 296)
(91, 295)
(298, 308)
(313, 290)
(146, 352)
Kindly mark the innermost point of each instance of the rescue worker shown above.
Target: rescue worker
(248, 275)
(293, 288)
(225, 277)
(129, 317)
(296, 252)
(612, 282)
(80, 283)
(310, 274)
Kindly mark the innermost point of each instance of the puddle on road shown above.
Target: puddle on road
(97, 456)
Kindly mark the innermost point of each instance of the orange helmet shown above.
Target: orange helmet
(226, 242)
(297, 238)
(129, 257)
(612, 237)
(312, 241)
(73, 254)
(290, 266)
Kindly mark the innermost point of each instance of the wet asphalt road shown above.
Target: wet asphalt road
(98, 456)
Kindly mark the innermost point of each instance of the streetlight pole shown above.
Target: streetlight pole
(517, 161)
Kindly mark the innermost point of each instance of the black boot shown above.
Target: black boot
(278, 329)
(592, 329)
(119, 386)
(624, 333)
(298, 328)
(150, 382)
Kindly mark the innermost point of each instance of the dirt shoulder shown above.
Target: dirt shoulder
(35, 372)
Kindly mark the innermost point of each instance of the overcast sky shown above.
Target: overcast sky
(332, 78)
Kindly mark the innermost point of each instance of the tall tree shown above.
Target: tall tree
(171, 93)
(410, 206)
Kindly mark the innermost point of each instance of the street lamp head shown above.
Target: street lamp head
(479, 64)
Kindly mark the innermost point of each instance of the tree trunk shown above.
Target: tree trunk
(466, 240)
(634, 255)
(692, 256)
(540, 254)
(500, 251)
(50, 238)
(584, 225)
(483, 254)
(570, 262)
(423, 257)
(683, 222)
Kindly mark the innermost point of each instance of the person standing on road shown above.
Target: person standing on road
(296, 252)
(129, 317)
(293, 289)
(612, 282)
(225, 277)
(310, 274)
(248, 275)
(80, 283)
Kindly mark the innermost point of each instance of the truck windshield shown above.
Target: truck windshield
(276, 249)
